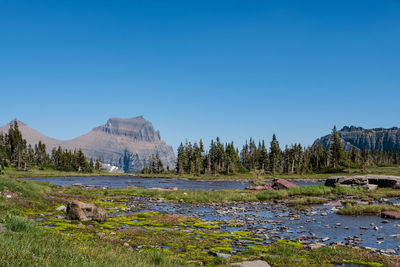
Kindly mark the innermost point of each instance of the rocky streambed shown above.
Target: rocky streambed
(269, 221)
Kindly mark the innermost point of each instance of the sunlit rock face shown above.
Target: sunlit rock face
(377, 138)
(124, 143)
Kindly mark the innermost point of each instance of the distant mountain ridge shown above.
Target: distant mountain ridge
(125, 143)
(387, 139)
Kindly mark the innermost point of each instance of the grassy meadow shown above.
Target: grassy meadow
(32, 233)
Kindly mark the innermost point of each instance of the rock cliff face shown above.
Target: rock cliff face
(125, 143)
(377, 138)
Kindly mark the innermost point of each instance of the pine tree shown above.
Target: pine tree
(182, 159)
(337, 150)
(98, 165)
(274, 154)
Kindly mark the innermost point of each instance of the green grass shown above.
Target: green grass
(19, 224)
(306, 201)
(188, 239)
(249, 176)
(50, 172)
(350, 209)
(33, 246)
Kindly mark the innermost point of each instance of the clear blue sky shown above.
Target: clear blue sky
(201, 69)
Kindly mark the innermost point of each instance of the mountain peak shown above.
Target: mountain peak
(136, 128)
(351, 129)
(127, 143)
(18, 121)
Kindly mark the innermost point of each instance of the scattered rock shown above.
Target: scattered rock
(325, 239)
(256, 263)
(101, 235)
(77, 210)
(62, 208)
(390, 215)
(315, 245)
(302, 238)
(390, 251)
(283, 184)
(371, 187)
(334, 204)
(370, 182)
(8, 194)
(220, 255)
(275, 185)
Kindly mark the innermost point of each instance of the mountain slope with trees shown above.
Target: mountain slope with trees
(16, 152)
(125, 143)
(370, 139)
(225, 158)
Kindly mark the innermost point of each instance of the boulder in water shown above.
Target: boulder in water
(275, 185)
(390, 214)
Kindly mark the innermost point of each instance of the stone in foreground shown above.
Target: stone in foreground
(390, 215)
(257, 263)
(77, 210)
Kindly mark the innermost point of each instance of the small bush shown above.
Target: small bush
(19, 224)
(158, 258)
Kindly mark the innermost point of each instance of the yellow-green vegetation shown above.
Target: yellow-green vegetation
(363, 263)
(148, 238)
(354, 209)
(31, 245)
(302, 201)
(282, 254)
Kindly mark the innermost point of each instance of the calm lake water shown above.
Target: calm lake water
(123, 181)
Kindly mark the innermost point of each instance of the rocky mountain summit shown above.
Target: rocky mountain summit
(377, 138)
(124, 143)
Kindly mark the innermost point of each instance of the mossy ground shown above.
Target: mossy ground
(151, 238)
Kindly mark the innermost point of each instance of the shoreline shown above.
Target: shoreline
(35, 173)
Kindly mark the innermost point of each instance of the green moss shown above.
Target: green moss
(295, 244)
(366, 263)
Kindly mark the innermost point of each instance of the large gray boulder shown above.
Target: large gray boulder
(365, 181)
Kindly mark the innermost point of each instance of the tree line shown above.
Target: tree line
(225, 158)
(15, 152)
